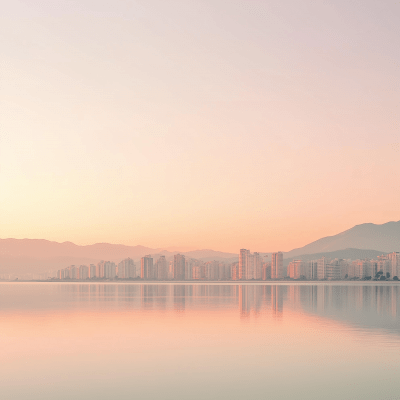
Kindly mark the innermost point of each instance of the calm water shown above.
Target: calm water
(217, 341)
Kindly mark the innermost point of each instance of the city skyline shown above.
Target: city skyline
(249, 267)
(20, 258)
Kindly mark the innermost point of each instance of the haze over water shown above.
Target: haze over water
(199, 341)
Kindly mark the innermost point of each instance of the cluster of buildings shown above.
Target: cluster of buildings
(251, 266)
(179, 269)
(386, 266)
(126, 269)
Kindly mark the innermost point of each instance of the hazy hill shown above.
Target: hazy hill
(39, 255)
(346, 254)
(208, 255)
(382, 238)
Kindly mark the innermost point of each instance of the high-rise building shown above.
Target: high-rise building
(171, 270)
(106, 269)
(277, 265)
(295, 269)
(384, 264)
(198, 270)
(373, 267)
(224, 271)
(359, 269)
(72, 273)
(100, 269)
(266, 271)
(258, 266)
(321, 270)
(312, 270)
(235, 271)
(179, 267)
(126, 269)
(212, 270)
(92, 271)
(250, 265)
(146, 267)
(242, 263)
(189, 264)
(83, 272)
(162, 269)
(394, 259)
(332, 270)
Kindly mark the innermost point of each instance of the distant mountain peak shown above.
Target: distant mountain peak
(380, 237)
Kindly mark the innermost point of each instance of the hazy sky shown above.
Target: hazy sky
(206, 124)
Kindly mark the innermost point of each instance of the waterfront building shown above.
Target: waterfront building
(171, 270)
(92, 271)
(359, 269)
(212, 270)
(189, 266)
(258, 266)
(277, 265)
(321, 273)
(83, 272)
(242, 263)
(179, 267)
(162, 269)
(224, 271)
(384, 264)
(394, 259)
(126, 269)
(266, 271)
(107, 269)
(100, 269)
(332, 270)
(146, 267)
(198, 270)
(295, 269)
(250, 265)
(373, 267)
(235, 271)
(72, 273)
(310, 270)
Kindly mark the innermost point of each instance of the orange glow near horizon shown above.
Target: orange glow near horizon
(210, 125)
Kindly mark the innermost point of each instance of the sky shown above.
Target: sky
(202, 124)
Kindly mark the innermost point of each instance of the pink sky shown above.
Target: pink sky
(201, 124)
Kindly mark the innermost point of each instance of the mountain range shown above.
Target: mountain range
(21, 256)
(384, 238)
(38, 255)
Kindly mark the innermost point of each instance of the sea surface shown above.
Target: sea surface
(199, 341)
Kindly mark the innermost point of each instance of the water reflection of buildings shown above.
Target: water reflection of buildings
(180, 297)
(276, 299)
(254, 299)
(369, 305)
(250, 299)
